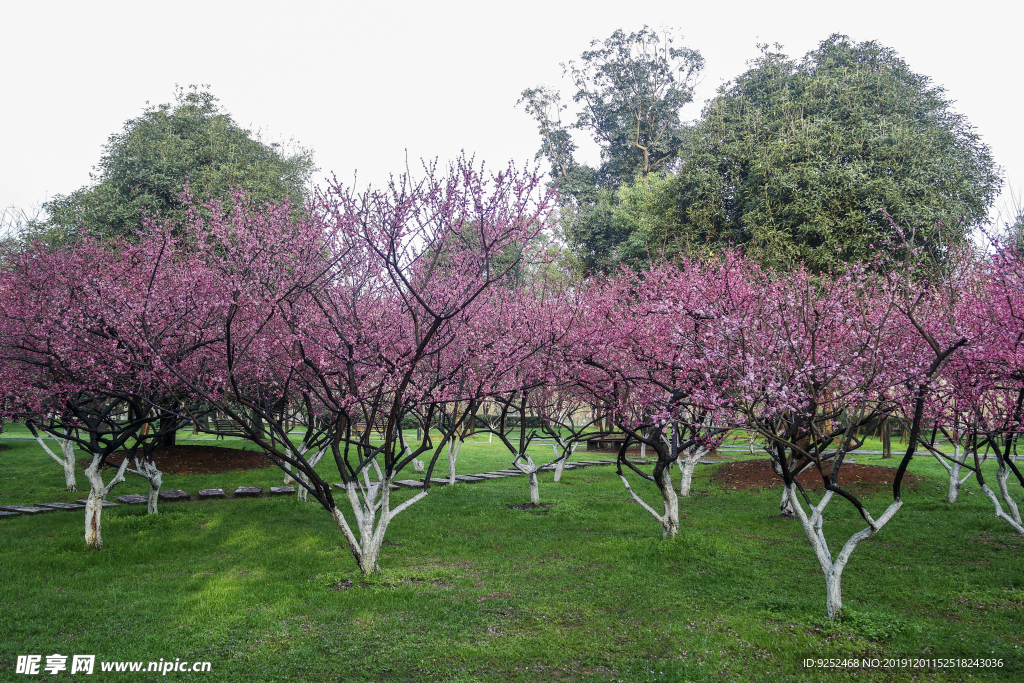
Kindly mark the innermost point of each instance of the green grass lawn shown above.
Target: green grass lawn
(472, 590)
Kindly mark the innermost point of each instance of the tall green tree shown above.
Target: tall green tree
(808, 160)
(145, 168)
(630, 88)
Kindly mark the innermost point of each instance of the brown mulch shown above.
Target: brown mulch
(752, 474)
(202, 460)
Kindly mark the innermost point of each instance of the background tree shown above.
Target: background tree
(145, 168)
(631, 88)
(795, 159)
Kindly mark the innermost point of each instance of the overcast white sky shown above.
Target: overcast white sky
(361, 82)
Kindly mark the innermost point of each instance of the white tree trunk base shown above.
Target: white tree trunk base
(66, 459)
(833, 569)
(94, 504)
(785, 506)
(453, 455)
(371, 506)
(686, 466)
(1015, 523)
(669, 519)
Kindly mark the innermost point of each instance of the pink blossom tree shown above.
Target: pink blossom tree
(651, 356)
(92, 381)
(348, 309)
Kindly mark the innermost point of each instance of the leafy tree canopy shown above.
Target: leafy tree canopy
(145, 168)
(803, 160)
(631, 88)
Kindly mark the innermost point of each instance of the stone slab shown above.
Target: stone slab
(248, 491)
(174, 495)
(133, 499)
(8, 513)
(211, 493)
(410, 483)
(25, 509)
(281, 490)
(468, 478)
(106, 503)
(438, 481)
(489, 475)
(509, 473)
(61, 506)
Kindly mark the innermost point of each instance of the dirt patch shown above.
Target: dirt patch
(202, 460)
(753, 474)
(531, 506)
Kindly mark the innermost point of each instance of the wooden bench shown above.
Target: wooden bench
(604, 443)
(226, 427)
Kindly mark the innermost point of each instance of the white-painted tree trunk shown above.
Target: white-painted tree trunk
(288, 478)
(785, 506)
(560, 464)
(1002, 474)
(1000, 513)
(524, 463)
(833, 570)
(150, 473)
(953, 470)
(670, 518)
(534, 488)
(66, 459)
(417, 464)
(687, 463)
(454, 446)
(371, 506)
(94, 504)
(300, 491)
(1013, 516)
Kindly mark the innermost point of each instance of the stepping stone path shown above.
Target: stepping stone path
(393, 487)
(25, 509)
(254, 491)
(133, 499)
